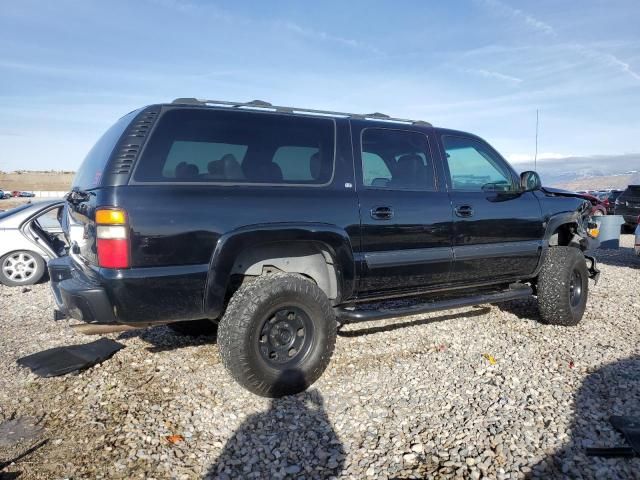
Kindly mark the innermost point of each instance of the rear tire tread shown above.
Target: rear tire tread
(236, 328)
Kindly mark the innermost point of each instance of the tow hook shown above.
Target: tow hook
(594, 272)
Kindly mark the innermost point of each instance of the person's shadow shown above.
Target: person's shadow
(611, 390)
(292, 438)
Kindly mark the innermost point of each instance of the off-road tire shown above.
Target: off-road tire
(259, 305)
(35, 261)
(560, 265)
(195, 328)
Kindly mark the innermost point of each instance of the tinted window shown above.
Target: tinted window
(373, 167)
(90, 172)
(396, 159)
(203, 145)
(474, 166)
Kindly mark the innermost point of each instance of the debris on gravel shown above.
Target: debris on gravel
(486, 392)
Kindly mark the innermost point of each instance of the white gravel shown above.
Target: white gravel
(403, 398)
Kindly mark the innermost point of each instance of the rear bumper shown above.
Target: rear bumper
(77, 295)
(132, 296)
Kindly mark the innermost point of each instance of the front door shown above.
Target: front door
(497, 229)
(405, 212)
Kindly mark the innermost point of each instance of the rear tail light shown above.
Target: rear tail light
(112, 238)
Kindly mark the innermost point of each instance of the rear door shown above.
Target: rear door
(406, 218)
(497, 230)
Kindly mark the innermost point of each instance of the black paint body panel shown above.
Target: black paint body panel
(185, 238)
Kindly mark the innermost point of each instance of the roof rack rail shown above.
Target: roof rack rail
(262, 105)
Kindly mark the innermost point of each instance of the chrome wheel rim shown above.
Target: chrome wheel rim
(19, 267)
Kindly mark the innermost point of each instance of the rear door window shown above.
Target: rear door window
(206, 145)
(397, 160)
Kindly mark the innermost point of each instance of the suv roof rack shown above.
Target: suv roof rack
(266, 106)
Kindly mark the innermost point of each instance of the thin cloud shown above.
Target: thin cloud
(494, 75)
(529, 20)
(324, 36)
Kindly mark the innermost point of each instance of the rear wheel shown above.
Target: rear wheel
(21, 268)
(563, 286)
(277, 334)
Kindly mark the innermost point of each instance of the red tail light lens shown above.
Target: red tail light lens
(112, 238)
(113, 253)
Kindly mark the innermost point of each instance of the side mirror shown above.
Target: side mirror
(530, 181)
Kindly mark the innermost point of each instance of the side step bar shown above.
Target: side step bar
(349, 315)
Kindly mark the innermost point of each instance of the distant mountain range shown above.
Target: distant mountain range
(598, 171)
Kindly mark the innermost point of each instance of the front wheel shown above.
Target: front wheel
(277, 335)
(21, 268)
(563, 286)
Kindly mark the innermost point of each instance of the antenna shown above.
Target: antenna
(535, 158)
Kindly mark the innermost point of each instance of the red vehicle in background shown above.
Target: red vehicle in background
(598, 208)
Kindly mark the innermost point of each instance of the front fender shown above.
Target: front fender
(231, 244)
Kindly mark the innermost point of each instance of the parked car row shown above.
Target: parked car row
(608, 198)
(15, 193)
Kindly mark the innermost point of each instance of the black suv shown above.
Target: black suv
(280, 224)
(628, 205)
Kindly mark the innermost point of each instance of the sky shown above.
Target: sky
(69, 69)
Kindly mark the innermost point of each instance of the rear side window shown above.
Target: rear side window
(90, 172)
(200, 145)
(396, 159)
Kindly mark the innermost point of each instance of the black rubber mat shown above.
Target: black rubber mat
(630, 429)
(62, 360)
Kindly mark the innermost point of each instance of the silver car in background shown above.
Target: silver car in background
(30, 236)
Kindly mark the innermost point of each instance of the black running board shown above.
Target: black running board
(351, 315)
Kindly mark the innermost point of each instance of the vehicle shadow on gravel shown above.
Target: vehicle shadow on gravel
(526, 309)
(423, 321)
(162, 338)
(611, 390)
(293, 438)
(620, 257)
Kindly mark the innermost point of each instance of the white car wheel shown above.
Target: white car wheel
(21, 268)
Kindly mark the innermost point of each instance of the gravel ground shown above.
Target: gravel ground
(469, 393)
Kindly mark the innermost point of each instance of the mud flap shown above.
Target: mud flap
(63, 360)
(630, 429)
